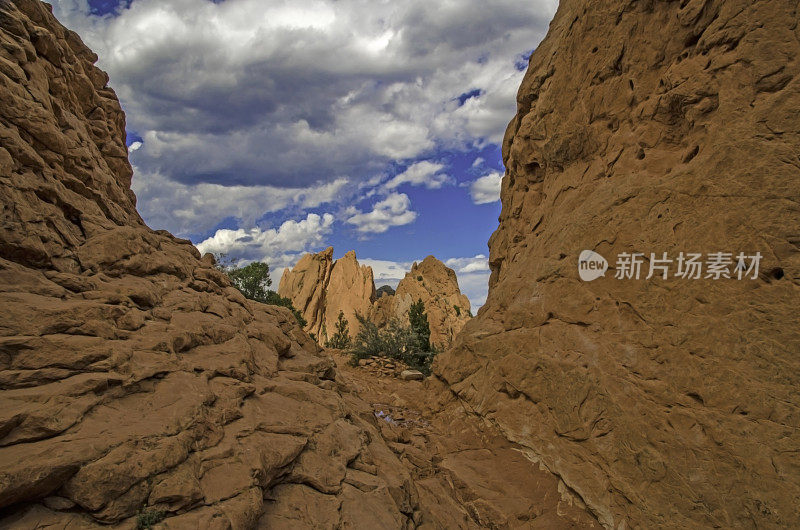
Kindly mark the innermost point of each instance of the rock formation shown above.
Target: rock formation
(135, 381)
(651, 127)
(305, 287)
(320, 288)
(350, 290)
(437, 286)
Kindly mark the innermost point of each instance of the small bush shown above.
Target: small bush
(458, 310)
(148, 518)
(407, 343)
(340, 339)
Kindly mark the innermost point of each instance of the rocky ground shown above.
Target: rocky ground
(467, 475)
(137, 384)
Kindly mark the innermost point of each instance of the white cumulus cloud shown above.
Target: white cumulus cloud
(423, 173)
(277, 246)
(283, 95)
(467, 265)
(199, 208)
(473, 278)
(486, 189)
(394, 210)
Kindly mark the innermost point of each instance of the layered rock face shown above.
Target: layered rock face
(320, 288)
(350, 290)
(437, 286)
(134, 379)
(305, 287)
(651, 127)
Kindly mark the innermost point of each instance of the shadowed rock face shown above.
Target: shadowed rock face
(133, 376)
(651, 127)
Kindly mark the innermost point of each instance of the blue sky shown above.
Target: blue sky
(264, 129)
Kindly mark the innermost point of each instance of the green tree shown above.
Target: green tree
(418, 319)
(253, 281)
(340, 339)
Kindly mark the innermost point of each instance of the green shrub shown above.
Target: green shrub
(458, 310)
(274, 298)
(148, 518)
(407, 343)
(340, 339)
(421, 332)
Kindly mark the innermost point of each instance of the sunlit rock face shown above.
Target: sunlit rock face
(651, 127)
(134, 379)
(320, 288)
(437, 286)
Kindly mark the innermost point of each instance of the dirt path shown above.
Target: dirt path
(467, 475)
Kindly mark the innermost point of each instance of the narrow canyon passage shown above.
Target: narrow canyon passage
(467, 475)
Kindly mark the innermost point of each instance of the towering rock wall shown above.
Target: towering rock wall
(651, 127)
(320, 288)
(351, 290)
(134, 379)
(305, 286)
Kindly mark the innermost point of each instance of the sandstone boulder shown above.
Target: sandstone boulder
(412, 375)
(650, 127)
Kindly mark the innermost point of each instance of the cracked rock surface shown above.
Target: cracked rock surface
(467, 474)
(651, 126)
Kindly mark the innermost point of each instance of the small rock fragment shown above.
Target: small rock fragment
(411, 375)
